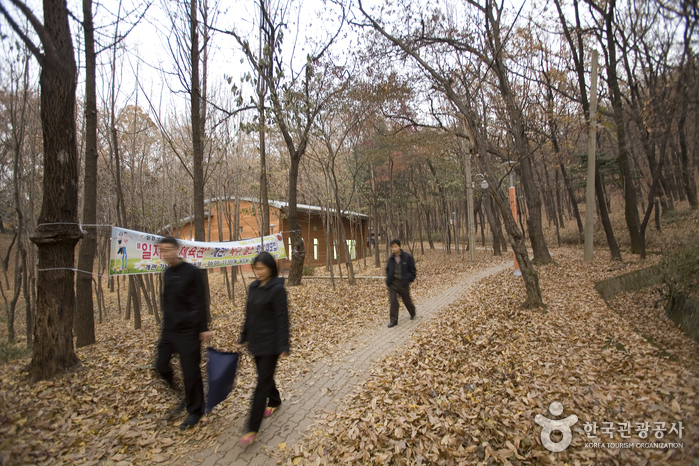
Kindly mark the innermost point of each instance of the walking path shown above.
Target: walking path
(326, 385)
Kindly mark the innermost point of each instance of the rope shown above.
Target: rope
(74, 270)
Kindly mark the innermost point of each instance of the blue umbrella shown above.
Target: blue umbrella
(221, 368)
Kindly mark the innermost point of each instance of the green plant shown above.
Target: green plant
(8, 351)
(680, 270)
(308, 270)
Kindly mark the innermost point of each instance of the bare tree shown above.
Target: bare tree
(296, 97)
(85, 314)
(57, 232)
(463, 105)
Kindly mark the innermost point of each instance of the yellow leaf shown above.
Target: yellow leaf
(282, 445)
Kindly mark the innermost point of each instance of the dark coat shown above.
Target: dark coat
(266, 327)
(407, 269)
(184, 300)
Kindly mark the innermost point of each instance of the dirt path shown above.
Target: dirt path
(324, 387)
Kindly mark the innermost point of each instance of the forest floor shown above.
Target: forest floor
(464, 390)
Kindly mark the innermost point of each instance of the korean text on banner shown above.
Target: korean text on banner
(134, 252)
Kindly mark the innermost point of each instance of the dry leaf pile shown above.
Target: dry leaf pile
(467, 388)
(111, 410)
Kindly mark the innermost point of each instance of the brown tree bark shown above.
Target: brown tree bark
(688, 181)
(577, 50)
(84, 311)
(495, 226)
(529, 274)
(266, 53)
(633, 222)
(197, 144)
(57, 232)
(521, 142)
(18, 104)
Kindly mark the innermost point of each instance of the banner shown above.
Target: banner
(134, 252)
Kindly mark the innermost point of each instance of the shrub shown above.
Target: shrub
(8, 351)
(308, 270)
(680, 270)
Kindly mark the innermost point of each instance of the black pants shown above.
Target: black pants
(394, 290)
(266, 393)
(188, 346)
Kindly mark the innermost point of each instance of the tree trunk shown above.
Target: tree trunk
(154, 298)
(326, 233)
(495, 227)
(136, 297)
(142, 286)
(297, 246)
(529, 274)
(13, 302)
(604, 216)
(28, 306)
(129, 293)
(521, 142)
(197, 144)
(633, 222)
(85, 314)
(690, 186)
(342, 231)
(57, 232)
(265, 49)
(578, 53)
(18, 111)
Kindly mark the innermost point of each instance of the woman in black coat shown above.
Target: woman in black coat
(266, 334)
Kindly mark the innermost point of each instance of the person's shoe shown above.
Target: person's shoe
(191, 421)
(392, 324)
(176, 410)
(247, 439)
(412, 317)
(269, 410)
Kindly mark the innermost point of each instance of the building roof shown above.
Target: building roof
(281, 205)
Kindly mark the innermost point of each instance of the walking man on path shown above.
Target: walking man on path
(184, 327)
(400, 273)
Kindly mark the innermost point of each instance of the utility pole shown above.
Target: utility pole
(591, 160)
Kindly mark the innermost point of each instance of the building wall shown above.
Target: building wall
(312, 230)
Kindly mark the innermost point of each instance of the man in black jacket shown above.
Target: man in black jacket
(184, 327)
(400, 273)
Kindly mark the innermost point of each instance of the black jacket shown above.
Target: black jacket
(266, 327)
(184, 299)
(407, 269)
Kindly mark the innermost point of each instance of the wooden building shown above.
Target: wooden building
(221, 223)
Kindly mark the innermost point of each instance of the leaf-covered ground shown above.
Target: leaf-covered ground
(112, 409)
(467, 388)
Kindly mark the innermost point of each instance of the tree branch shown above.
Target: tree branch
(27, 41)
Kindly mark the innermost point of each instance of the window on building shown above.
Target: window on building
(352, 246)
(315, 249)
(288, 250)
(241, 230)
(334, 251)
(315, 227)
